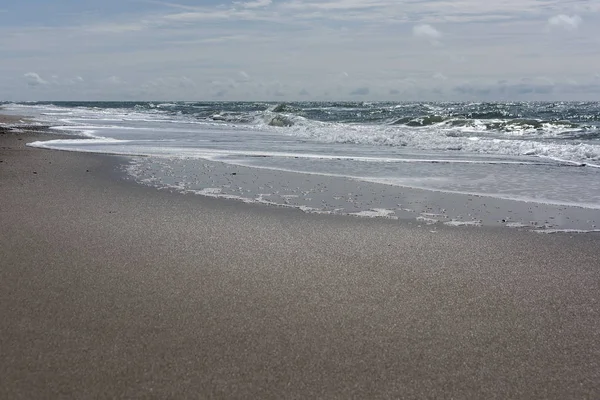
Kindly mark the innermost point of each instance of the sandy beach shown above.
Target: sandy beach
(116, 290)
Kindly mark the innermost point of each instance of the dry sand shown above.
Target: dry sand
(113, 290)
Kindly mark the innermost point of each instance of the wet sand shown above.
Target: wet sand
(115, 290)
(323, 194)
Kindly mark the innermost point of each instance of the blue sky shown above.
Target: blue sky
(300, 50)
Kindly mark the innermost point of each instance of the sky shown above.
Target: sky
(286, 50)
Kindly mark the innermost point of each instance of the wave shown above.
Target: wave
(437, 137)
(229, 117)
(499, 125)
(455, 124)
(555, 130)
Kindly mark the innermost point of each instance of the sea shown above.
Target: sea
(525, 165)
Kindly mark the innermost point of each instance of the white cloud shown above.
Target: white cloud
(34, 79)
(427, 31)
(243, 45)
(118, 28)
(254, 4)
(565, 21)
(173, 5)
(197, 16)
(338, 5)
(243, 77)
(77, 80)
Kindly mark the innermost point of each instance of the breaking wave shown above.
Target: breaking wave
(562, 131)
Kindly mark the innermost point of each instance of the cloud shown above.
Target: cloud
(68, 82)
(565, 21)
(34, 79)
(426, 31)
(254, 4)
(322, 46)
(339, 5)
(243, 77)
(362, 91)
(117, 28)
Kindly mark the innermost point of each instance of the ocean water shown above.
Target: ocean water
(321, 157)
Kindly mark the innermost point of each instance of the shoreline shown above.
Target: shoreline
(329, 195)
(116, 290)
(346, 196)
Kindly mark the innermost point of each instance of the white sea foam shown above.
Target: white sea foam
(552, 231)
(376, 213)
(65, 144)
(463, 223)
(209, 191)
(517, 225)
(437, 137)
(427, 220)
(434, 138)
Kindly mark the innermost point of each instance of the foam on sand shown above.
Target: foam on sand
(551, 231)
(335, 195)
(463, 223)
(376, 213)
